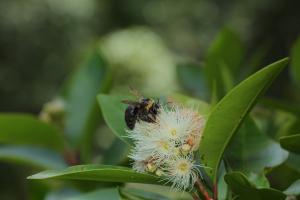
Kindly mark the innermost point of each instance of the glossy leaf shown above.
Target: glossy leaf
(219, 56)
(103, 173)
(161, 191)
(82, 113)
(241, 186)
(24, 129)
(293, 189)
(255, 60)
(222, 186)
(227, 78)
(113, 112)
(295, 62)
(218, 52)
(283, 175)
(276, 123)
(251, 151)
(291, 143)
(258, 179)
(37, 157)
(229, 113)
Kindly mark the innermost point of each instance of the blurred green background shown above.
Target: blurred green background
(143, 43)
(41, 42)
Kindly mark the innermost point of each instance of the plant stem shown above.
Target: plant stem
(203, 190)
(215, 191)
(195, 196)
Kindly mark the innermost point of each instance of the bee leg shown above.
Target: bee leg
(151, 117)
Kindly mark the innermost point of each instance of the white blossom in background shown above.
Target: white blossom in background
(53, 111)
(167, 146)
(139, 58)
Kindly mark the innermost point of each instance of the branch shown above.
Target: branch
(203, 190)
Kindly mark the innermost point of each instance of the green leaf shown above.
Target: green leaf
(113, 112)
(25, 129)
(283, 175)
(242, 187)
(251, 151)
(283, 105)
(222, 186)
(255, 59)
(36, 190)
(276, 123)
(160, 191)
(61, 193)
(187, 101)
(293, 189)
(82, 113)
(107, 194)
(228, 114)
(219, 56)
(295, 62)
(258, 179)
(291, 143)
(218, 52)
(32, 156)
(145, 195)
(116, 154)
(103, 173)
(227, 78)
(192, 78)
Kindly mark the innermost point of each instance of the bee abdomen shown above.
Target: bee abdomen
(130, 117)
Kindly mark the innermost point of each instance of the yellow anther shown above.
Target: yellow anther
(173, 132)
(159, 172)
(183, 167)
(186, 147)
(164, 145)
(151, 167)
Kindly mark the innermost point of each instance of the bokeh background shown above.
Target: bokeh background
(43, 41)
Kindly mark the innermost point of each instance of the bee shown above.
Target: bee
(144, 109)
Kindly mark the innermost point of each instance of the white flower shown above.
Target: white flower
(142, 130)
(134, 52)
(153, 147)
(139, 166)
(182, 172)
(180, 124)
(166, 147)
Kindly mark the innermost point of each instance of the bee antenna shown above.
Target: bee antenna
(135, 92)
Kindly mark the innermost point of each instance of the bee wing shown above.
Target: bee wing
(129, 102)
(135, 92)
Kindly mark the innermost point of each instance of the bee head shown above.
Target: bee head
(148, 103)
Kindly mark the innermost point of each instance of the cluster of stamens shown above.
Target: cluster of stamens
(166, 147)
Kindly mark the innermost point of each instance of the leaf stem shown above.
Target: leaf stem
(195, 196)
(203, 190)
(215, 191)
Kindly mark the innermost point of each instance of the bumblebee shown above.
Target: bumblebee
(145, 109)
